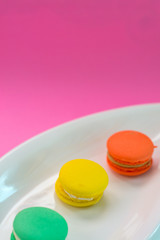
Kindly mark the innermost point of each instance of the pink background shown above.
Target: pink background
(60, 60)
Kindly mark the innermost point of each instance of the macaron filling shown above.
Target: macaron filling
(111, 159)
(78, 198)
(15, 235)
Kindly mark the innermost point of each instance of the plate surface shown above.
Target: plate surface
(130, 207)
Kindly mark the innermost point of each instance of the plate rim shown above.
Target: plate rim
(16, 148)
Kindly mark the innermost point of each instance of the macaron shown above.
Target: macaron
(39, 223)
(81, 183)
(12, 237)
(130, 152)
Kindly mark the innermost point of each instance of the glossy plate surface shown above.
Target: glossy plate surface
(130, 207)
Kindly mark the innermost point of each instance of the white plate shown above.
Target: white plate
(130, 207)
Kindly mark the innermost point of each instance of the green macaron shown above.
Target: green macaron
(39, 223)
(12, 237)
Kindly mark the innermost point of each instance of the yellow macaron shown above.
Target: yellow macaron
(81, 183)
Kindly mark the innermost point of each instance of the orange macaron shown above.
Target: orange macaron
(130, 152)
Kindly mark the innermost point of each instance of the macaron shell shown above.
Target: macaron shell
(12, 237)
(83, 178)
(75, 203)
(128, 171)
(130, 146)
(40, 223)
